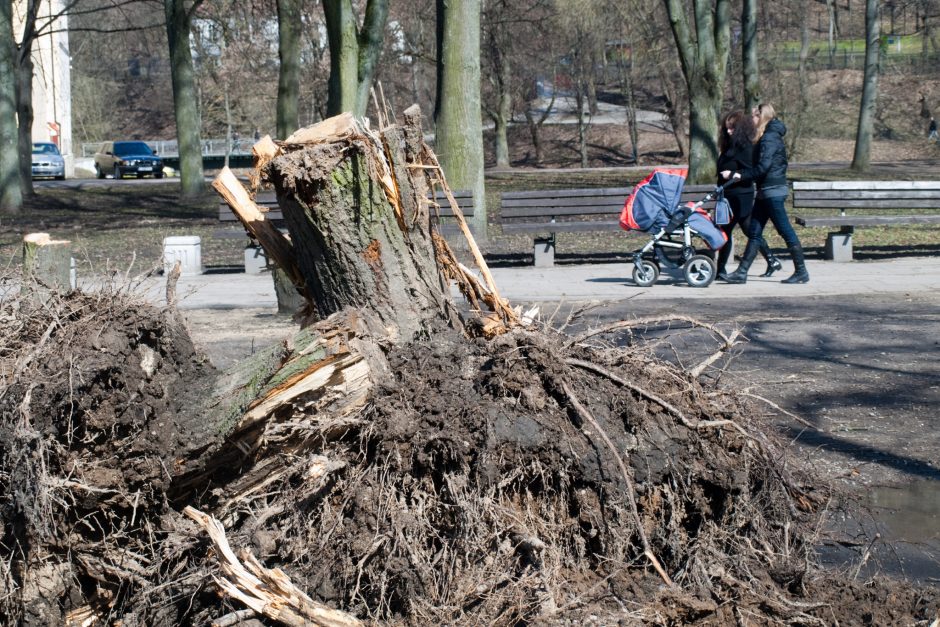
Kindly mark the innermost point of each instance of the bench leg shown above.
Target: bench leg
(839, 245)
(545, 252)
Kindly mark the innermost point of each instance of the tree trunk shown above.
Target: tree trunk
(459, 132)
(184, 99)
(11, 195)
(370, 48)
(625, 74)
(353, 53)
(831, 39)
(288, 78)
(24, 116)
(703, 133)
(349, 240)
(344, 53)
(579, 97)
(503, 112)
(704, 59)
(749, 54)
(535, 126)
(47, 263)
(797, 123)
(866, 115)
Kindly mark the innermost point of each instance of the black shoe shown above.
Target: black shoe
(800, 276)
(738, 276)
(773, 264)
(722, 275)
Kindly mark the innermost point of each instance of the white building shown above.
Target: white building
(52, 87)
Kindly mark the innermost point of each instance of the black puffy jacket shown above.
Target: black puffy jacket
(770, 158)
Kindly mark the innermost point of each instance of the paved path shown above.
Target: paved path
(608, 282)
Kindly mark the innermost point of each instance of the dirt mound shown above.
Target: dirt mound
(472, 492)
(97, 406)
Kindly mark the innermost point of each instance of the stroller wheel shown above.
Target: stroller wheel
(645, 273)
(700, 271)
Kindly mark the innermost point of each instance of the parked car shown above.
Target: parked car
(47, 161)
(132, 157)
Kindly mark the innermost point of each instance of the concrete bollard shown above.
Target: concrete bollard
(185, 249)
(544, 252)
(256, 261)
(839, 246)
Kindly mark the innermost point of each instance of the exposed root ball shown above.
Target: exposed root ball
(477, 495)
(96, 408)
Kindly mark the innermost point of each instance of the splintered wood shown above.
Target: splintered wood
(267, 591)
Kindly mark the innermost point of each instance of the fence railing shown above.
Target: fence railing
(169, 147)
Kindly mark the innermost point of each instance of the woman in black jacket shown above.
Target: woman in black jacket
(736, 146)
(769, 171)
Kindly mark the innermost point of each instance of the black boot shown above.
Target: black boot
(740, 275)
(773, 264)
(800, 275)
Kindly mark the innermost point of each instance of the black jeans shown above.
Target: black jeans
(741, 209)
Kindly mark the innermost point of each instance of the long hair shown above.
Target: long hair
(765, 113)
(743, 133)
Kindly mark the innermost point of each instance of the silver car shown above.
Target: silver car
(47, 161)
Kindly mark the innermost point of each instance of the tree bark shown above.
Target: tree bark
(185, 108)
(866, 116)
(459, 131)
(288, 78)
(11, 195)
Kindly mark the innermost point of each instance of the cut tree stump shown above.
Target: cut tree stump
(47, 263)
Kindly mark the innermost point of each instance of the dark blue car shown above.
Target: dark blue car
(131, 157)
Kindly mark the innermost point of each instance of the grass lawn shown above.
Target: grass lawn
(120, 226)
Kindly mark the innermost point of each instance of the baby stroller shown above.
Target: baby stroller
(654, 207)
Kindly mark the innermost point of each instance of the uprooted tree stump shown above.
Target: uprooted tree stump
(400, 459)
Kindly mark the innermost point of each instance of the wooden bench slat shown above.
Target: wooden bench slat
(622, 192)
(865, 185)
(900, 196)
(554, 227)
(930, 203)
(868, 220)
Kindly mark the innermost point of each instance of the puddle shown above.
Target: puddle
(907, 518)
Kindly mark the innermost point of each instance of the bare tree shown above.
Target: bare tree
(581, 22)
(704, 58)
(866, 116)
(354, 52)
(457, 115)
(518, 44)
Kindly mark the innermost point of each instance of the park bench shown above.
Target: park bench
(854, 199)
(267, 201)
(548, 212)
